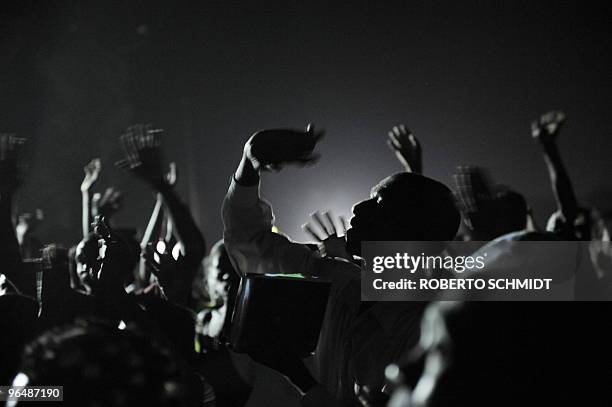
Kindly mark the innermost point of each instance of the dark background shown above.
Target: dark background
(466, 77)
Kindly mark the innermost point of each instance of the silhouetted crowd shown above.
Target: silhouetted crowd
(158, 319)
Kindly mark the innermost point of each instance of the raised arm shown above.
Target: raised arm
(106, 204)
(106, 281)
(247, 219)
(546, 130)
(92, 172)
(254, 248)
(152, 230)
(193, 246)
(143, 159)
(167, 225)
(155, 225)
(11, 152)
(407, 149)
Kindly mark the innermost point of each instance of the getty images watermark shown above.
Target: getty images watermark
(502, 270)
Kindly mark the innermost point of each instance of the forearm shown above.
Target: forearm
(561, 183)
(168, 229)
(151, 230)
(185, 228)
(245, 216)
(248, 236)
(86, 212)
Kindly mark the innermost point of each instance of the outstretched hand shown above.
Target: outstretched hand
(11, 166)
(106, 204)
(92, 172)
(407, 148)
(546, 129)
(273, 149)
(28, 222)
(172, 174)
(331, 243)
(142, 154)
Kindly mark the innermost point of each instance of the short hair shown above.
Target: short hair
(513, 208)
(423, 206)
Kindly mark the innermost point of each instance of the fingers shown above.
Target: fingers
(465, 191)
(548, 124)
(101, 228)
(141, 149)
(154, 137)
(123, 165)
(127, 144)
(116, 197)
(137, 139)
(308, 229)
(330, 221)
(107, 194)
(393, 141)
(171, 176)
(325, 225)
(93, 167)
(132, 147)
(343, 224)
(316, 216)
(400, 138)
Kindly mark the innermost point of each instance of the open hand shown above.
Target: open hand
(27, 223)
(92, 172)
(546, 129)
(407, 148)
(331, 243)
(107, 204)
(142, 153)
(172, 174)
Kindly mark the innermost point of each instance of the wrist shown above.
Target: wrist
(161, 186)
(245, 174)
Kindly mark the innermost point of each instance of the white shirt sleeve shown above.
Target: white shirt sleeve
(250, 242)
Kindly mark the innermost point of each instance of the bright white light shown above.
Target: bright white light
(176, 251)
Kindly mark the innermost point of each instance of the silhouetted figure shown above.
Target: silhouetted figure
(356, 341)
